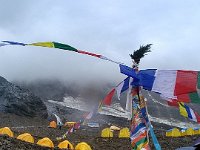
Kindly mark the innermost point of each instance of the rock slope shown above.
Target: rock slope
(16, 100)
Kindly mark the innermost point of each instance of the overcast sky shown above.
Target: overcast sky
(113, 28)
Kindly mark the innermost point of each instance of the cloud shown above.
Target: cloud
(111, 28)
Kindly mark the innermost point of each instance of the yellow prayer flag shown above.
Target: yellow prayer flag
(43, 44)
(182, 110)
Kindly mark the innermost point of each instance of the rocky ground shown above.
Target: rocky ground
(38, 128)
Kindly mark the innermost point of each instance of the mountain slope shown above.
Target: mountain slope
(16, 100)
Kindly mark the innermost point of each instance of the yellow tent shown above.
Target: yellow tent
(183, 132)
(115, 128)
(173, 132)
(189, 131)
(65, 145)
(53, 124)
(26, 137)
(6, 131)
(124, 133)
(196, 131)
(46, 142)
(82, 146)
(106, 133)
(69, 124)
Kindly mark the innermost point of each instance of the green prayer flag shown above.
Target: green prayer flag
(64, 46)
(194, 97)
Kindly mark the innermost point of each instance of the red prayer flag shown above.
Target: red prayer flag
(173, 103)
(108, 99)
(197, 116)
(183, 98)
(88, 53)
(186, 82)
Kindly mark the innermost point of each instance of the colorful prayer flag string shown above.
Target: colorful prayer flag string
(59, 46)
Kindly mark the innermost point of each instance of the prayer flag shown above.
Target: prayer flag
(108, 99)
(187, 112)
(188, 98)
(59, 122)
(173, 103)
(123, 86)
(169, 83)
(128, 71)
(11, 43)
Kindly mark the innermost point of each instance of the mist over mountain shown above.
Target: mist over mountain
(91, 93)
